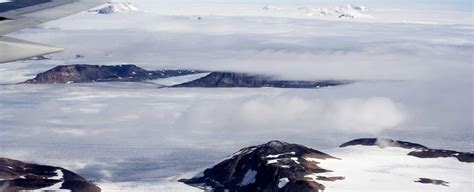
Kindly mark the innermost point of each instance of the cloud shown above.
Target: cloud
(371, 116)
(289, 48)
(293, 114)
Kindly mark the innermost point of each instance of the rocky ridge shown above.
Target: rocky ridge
(231, 79)
(19, 176)
(81, 73)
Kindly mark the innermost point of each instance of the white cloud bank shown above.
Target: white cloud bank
(263, 115)
(291, 48)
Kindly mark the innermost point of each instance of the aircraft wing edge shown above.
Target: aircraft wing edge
(15, 49)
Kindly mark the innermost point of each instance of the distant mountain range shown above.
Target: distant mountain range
(81, 73)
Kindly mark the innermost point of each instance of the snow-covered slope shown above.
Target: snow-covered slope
(178, 80)
(372, 168)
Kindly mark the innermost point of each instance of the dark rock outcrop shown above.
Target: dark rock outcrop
(229, 79)
(383, 142)
(19, 176)
(101, 73)
(274, 166)
(432, 181)
(419, 151)
(438, 153)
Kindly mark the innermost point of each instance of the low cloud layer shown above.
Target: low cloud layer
(264, 115)
(289, 48)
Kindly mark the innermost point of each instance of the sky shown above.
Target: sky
(462, 5)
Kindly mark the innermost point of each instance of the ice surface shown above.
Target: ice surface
(249, 178)
(56, 187)
(282, 182)
(376, 169)
(178, 80)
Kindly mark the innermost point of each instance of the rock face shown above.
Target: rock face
(274, 166)
(18, 176)
(419, 151)
(229, 79)
(97, 73)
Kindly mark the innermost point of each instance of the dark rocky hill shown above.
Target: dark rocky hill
(230, 79)
(100, 73)
(274, 166)
(19, 176)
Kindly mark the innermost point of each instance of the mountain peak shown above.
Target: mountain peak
(115, 7)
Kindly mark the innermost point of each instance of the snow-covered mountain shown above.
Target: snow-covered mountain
(348, 11)
(270, 7)
(115, 7)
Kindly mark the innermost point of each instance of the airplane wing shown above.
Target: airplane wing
(19, 14)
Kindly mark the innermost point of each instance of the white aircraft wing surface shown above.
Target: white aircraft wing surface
(19, 14)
